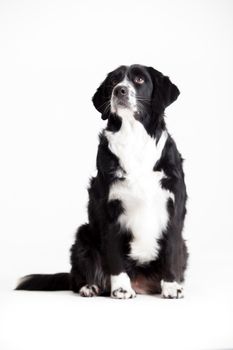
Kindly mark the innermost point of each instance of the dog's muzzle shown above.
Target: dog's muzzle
(121, 96)
(123, 99)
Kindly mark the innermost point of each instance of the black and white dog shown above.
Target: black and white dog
(133, 241)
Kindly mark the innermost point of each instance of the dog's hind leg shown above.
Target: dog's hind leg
(87, 274)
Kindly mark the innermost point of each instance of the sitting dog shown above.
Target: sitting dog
(133, 241)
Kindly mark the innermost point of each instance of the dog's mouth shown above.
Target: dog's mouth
(120, 104)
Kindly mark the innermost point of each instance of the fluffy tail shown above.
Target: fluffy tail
(57, 281)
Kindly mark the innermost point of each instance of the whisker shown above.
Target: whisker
(145, 101)
(107, 107)
(143, 98)
(105, 103)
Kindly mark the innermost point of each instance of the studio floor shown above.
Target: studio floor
(63, 320)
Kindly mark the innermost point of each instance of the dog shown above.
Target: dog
(132, 243)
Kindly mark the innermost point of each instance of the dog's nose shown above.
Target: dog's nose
(121, 91)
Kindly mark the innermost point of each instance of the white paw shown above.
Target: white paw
(121, 287)
(119, 173)
(171, 290)
(89, 290)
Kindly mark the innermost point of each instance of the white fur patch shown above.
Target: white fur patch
(121, 287)
(172, 290)
(144, 200)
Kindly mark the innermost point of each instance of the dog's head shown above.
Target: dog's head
(137, 91)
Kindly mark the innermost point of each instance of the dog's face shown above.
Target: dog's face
(131, 91)
(135, 91)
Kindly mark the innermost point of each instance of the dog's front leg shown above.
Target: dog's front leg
(175, 261)
(120, 281)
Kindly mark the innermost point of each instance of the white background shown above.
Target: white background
(53, 55)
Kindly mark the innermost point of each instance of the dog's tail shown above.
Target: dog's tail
(57, 281)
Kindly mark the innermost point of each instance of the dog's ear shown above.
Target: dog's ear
(164, 91)
(170, 91)
(101, 100)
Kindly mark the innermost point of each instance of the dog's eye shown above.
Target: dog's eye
(139, 80)
(114, 81)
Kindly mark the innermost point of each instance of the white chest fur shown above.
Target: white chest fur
(144, 200)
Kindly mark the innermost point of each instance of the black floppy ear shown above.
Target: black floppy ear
(169, 91)
(100, 100)
(164, 91)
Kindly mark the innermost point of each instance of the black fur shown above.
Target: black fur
(57, 281)
(101, 245)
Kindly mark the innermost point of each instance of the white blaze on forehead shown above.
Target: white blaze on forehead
(132, 102)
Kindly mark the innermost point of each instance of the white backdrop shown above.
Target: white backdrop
(53, 55)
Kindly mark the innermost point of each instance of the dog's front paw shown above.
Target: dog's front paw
(122, 293)
(171, 290)
(89, 290)
(121, 287)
